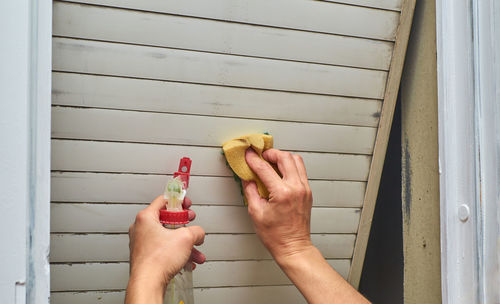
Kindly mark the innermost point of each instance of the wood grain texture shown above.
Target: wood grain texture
(95, 57)
(217, 247)
(382, 4)
(186, 98)
(203, 190)
(316, 16)
(377, 164)
(219, 295)
(82, 21)
(70, 155)
(129, 126)
(116, 218)
(114, 276)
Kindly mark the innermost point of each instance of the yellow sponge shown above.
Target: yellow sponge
(235, 149)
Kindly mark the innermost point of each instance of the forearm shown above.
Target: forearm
(141, 290)
(316, 279)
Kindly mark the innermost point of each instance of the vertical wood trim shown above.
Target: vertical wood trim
(390, 98)
(38, 273)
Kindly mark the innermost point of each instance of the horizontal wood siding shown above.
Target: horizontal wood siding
(162, 128)
(205, 190)
(314, 16)
(114, 218)
(120, 93)
(103, 58)
(138, 84)
(244, 295)
(113, 247)
(114, 276)
(81, 21)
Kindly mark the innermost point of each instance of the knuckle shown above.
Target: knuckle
(286, 154)
(186, 235)
(141, 216)
(298, 158)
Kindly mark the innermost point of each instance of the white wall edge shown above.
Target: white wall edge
(468, 155)
(457, 153)
(25, 94)
(38, 267)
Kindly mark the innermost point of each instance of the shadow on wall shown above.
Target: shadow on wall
(382, 278)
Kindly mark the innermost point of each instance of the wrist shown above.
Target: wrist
(292, 255)
(145, 287)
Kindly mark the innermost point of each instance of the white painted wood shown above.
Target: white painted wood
(219, 295)
(70, 155)
(25, 60)
(114, 276)
(217, 247)
(457, 154)
(383, 4)
(214, 219)
(97, 297)
(136, 188)
(94, 57)
(82, 21)
(249, 295)
(317, 16)
(115, 125)
(185, 98)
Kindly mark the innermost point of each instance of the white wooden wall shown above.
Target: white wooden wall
(137, 84)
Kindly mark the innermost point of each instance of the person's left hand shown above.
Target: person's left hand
(157, 254)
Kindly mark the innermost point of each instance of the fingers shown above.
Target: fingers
(186, 204)
(197, 256)
(191, 215)
(263, 170)
(250, 190)
(155, 206)
(285, 161)
(301, 168)
(254, 200)
(198, 234)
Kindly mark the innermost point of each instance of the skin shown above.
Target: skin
(282, 223)
(150, 268)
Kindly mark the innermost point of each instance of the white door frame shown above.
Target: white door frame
(469, 142)
(25, 88)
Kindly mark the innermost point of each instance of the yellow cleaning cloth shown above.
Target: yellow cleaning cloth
(235, 149)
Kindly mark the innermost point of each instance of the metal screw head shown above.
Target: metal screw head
(463, 212)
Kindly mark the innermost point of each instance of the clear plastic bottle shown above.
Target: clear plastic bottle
(180, 288)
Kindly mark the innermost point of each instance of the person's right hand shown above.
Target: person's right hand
(282, 222)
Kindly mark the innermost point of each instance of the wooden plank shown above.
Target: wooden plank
(186, 98)
(83, 21)
(70, 155)
(129, 126)
(317, 16)
(114, 276)
(217, 247)
(79, 297)
(95, 57)
(220, 295)
(382, 4)
(102, 218)
(377, 164)
(136, 188)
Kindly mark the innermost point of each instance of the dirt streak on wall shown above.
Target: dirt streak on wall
(420, 176)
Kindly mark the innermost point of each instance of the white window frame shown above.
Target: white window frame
(25, 92)
(469, 121)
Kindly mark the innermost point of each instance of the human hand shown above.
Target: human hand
(157, 254)
(282, 222)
